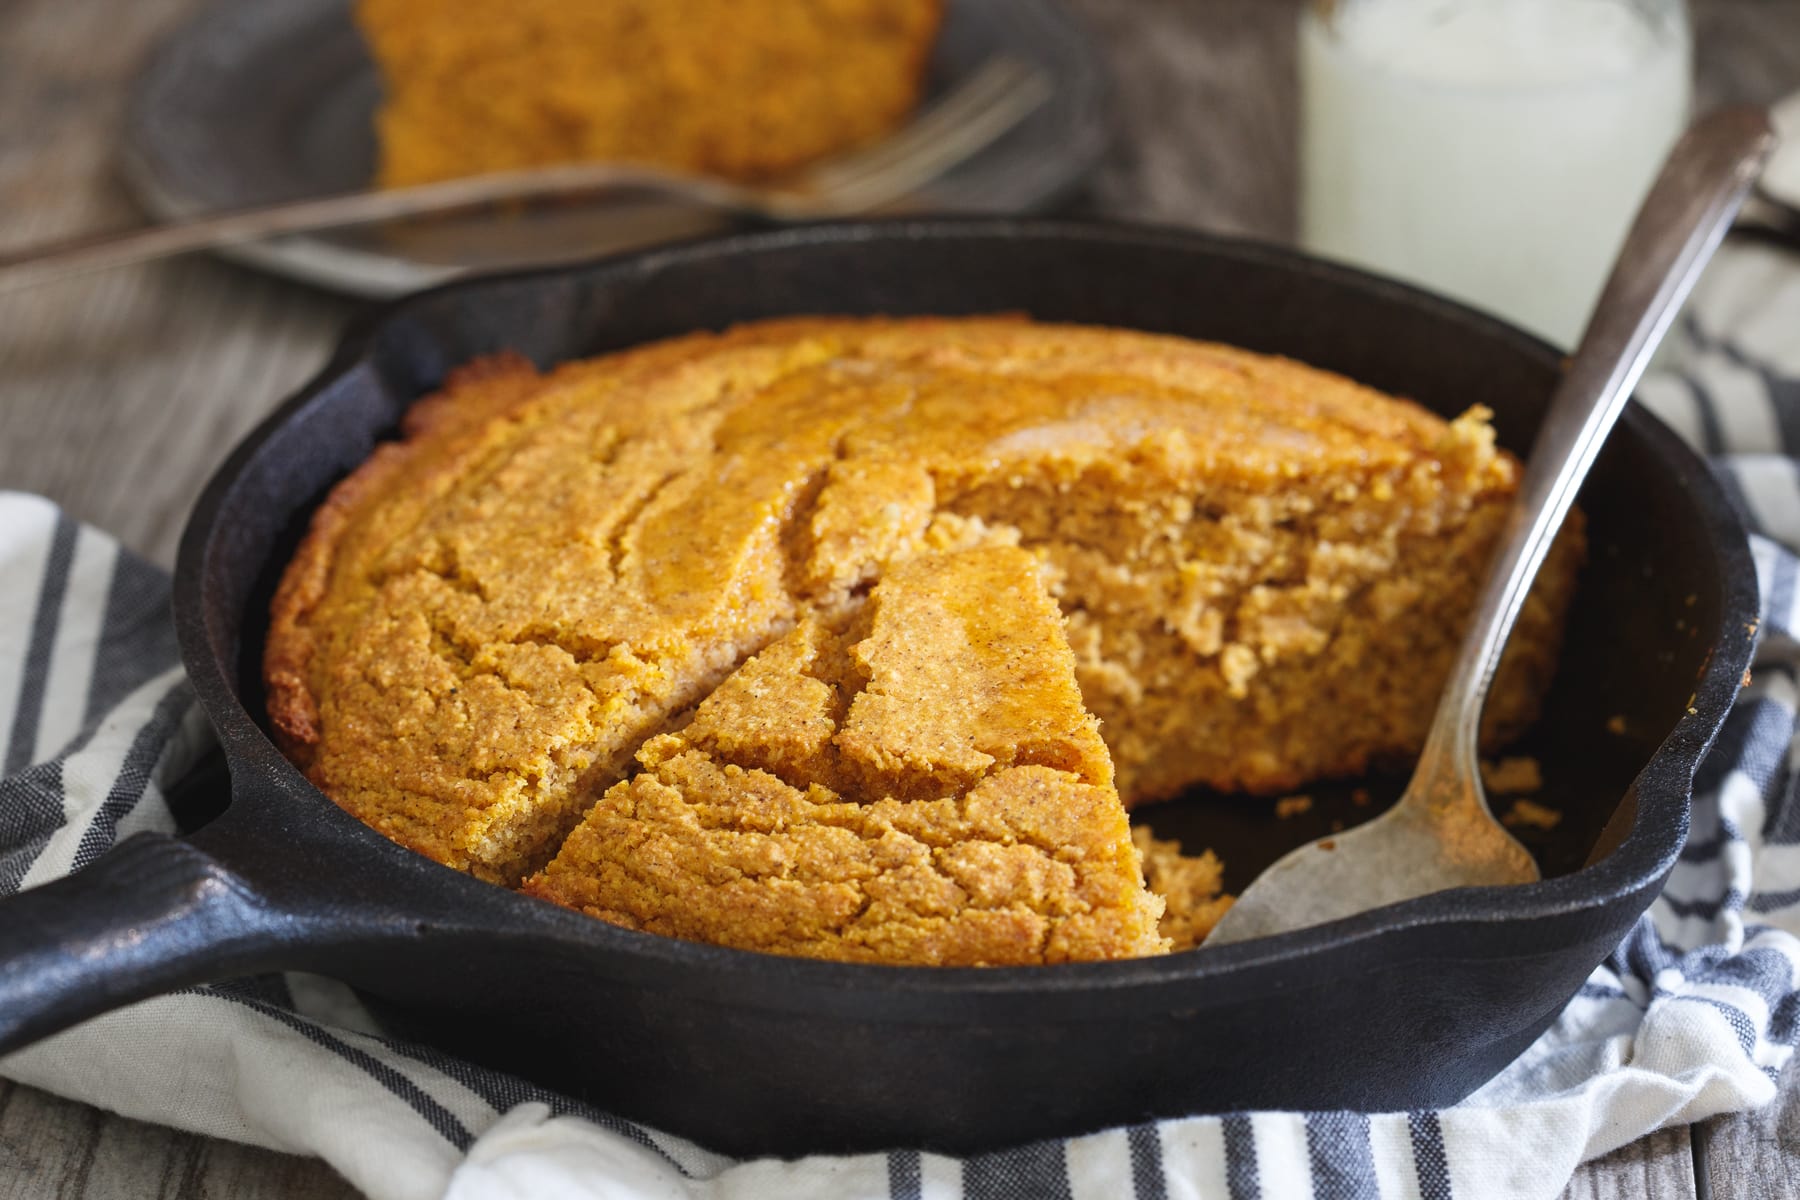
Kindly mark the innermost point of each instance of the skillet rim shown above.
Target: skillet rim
(1638, 863)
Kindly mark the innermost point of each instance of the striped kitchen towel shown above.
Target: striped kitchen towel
(1695, 1013)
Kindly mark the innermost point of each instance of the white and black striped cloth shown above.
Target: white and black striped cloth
(1695, 1014)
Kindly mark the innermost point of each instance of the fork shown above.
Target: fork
(991, 101)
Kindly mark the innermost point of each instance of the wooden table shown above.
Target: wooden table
(120, 393)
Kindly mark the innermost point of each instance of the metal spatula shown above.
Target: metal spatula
(1441, 834)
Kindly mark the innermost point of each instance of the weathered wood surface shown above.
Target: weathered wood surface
(1755, 1156)
(1659, 1166)
(120, 393)
(50, 1147)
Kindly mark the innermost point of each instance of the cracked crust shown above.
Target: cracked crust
(1261, 570)
(993, 835)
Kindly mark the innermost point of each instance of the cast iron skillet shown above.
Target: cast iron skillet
(1405, 1007)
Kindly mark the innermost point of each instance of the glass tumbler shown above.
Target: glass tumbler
(1492, 150)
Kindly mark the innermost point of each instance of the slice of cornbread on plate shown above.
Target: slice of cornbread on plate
(723, 87)
(921, 786)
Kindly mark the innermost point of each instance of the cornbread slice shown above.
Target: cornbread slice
(1262, 569)
(925, 787)
(715, 86)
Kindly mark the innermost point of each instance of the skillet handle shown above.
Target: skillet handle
(152, 914)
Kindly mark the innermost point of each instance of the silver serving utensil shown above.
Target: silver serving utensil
(986, 105)
(1441, 834)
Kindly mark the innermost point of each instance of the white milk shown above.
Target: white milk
(1494, 150)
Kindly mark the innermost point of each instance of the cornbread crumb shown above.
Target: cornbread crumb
(1512, 776)
(1292, 806)
(1615, 725)
(1529, 814)
(1191, 886)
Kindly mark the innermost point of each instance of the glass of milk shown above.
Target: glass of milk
(1492, 150)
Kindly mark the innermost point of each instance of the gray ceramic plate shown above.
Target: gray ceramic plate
(258, 101)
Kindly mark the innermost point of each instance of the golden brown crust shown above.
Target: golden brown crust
(922, 786)
(1261, 571)
(472, 393)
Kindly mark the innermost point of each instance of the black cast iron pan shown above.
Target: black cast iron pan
(1405, 1007)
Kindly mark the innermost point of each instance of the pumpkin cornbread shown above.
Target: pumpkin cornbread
(776, 612)
(715, 86)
